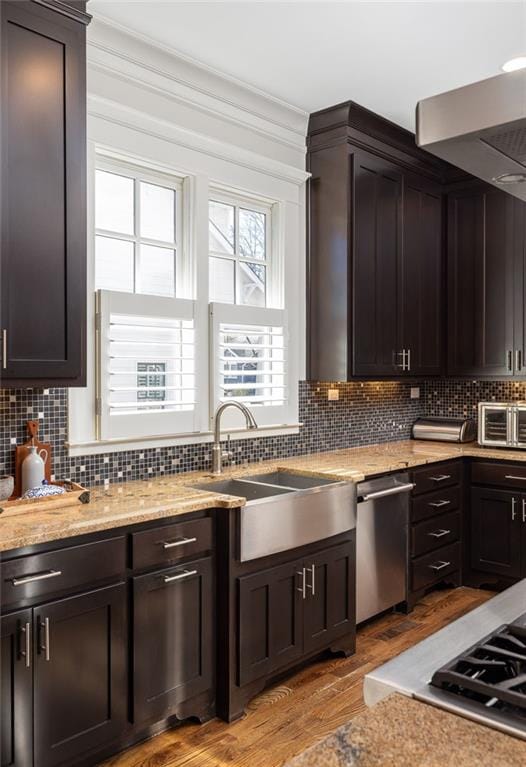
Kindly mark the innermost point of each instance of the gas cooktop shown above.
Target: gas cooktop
(491, 673)
(475, 666)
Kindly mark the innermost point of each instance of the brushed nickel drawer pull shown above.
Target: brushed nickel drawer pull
(514, 476)
(4, 349)
(26, 653)
(302, 589)
(439, 566)
(312, 584)
(46, 647)
(439, 533)
(179, 576)
(441, 478)
(36, 577)
(178, 542)
(438, 504)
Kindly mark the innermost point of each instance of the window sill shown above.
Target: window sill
(193, 438)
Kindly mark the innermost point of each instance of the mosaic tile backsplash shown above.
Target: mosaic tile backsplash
(366, 413)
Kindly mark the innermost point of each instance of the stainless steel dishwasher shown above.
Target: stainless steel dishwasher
(381, 544)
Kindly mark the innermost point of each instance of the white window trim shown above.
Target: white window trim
(183, 280)
(288, 220)
(274, 253)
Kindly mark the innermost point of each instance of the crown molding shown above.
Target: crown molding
(155, 127)
(148, 64)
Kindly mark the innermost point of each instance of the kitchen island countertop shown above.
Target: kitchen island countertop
(402, 732)
(139, 501)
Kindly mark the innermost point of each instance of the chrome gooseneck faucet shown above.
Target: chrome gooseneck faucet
(217, 451)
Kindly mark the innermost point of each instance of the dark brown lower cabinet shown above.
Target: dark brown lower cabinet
(329, 607)
(173, 626)
(497, 531)
(16, 684)
(270, 620)
(290, 611)
(63, 679)
(79, 675)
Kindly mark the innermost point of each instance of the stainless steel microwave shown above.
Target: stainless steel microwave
(502, 424)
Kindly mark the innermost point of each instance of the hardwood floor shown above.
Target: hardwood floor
(291, 716)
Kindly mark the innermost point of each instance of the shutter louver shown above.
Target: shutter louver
(250, 363)
(147, 376)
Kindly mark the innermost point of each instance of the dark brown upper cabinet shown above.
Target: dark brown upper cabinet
(375, 260)
(486, 295)
(43, 193)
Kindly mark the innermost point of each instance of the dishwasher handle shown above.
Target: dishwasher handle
(390, 491)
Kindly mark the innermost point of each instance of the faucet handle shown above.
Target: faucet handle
(228, 453)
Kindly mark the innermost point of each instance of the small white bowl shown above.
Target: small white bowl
(7, 485)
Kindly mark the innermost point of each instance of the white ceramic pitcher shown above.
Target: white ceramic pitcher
(33, 468)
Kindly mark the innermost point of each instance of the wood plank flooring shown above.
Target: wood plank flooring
(291, 716)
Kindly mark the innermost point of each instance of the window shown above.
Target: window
(146, 357)
(249, 361)
(239, 248)
(137, 223)
(162, 366)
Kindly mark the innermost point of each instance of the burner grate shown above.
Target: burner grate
(492, 672)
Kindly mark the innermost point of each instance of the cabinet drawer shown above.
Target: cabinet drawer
(434, 566)
(504, 475)
(171, 542)
(436, 476)
(35, 576)
(431, 504)
(435, 533)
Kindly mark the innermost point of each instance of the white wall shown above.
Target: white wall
(149, 103)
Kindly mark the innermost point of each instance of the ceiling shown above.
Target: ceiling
(383, 55)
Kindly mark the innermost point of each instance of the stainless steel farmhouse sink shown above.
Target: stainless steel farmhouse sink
(287, 479)
(250, 490)
(284, 510)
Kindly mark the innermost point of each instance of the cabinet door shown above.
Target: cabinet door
(173, 623)
(270, 620)
(330, 596)
(481, 253)
(80, 675)
(377, 242)
(43, 267)
(16, 685)
(496, 531)
(421, 277)
(520, 288)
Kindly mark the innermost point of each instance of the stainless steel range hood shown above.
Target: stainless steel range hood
(480, 128)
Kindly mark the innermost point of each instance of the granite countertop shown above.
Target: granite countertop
(402, 732)
(148, 500)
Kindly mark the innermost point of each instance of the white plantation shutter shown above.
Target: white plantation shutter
(250, 363)
(146, 365)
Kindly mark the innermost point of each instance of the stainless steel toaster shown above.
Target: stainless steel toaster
(445, 429)
(502, 424)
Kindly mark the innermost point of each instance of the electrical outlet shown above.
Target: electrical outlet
(333, 395)
(415, 392)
